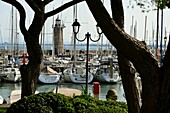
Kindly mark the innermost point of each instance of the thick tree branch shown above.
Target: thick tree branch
(128, 78)
(22, 13)
(47, 2)
(34, 6)
(122, 38)
(118, 12)
(61, 8)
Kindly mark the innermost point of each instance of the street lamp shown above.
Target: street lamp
(76, 27)
(87, 56)
(88, 37)
(99, 31)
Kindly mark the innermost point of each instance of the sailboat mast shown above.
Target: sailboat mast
(16, 36)
(135, 29)
(131, 27)
(43, 38)
(53, 49)
(145, 32)
(157, 30)
(153, 35)
(12, 28)
(161, 35)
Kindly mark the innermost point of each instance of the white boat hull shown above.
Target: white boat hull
(1, 100)
(78, 78)
(49, 78)
(103, 75)
(12, 74)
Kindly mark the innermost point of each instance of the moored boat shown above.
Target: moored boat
(49, 76)
(107, 73)
(103, 75)
(1, 100)
(77, 75)
(12, 74)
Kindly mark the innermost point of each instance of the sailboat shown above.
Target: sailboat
(103, 75)
(107, 72)
(1, 100)
(49, 76)
(77, 74)
(12, 72)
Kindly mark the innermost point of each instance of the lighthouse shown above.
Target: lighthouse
(58, 47)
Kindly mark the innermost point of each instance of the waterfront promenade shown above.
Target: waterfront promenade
(7, 88)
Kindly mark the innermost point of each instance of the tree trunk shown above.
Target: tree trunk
(31, 71)
(128, 76)
(127, 73)
(135, 51)
(164, 96)
(29, 79)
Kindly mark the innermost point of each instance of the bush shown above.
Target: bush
(58, 103)
(3, 110)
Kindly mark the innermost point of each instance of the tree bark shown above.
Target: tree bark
(29, 79)
(128, 76)
(127, 73)
(31, 71)
(164, 97)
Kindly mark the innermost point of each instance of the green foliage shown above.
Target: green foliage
(58, 103)
(37, 103)
(149, 5)
(85, 104)
(144, 5)
(3, 110)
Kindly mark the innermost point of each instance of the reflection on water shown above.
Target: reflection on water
(7, 88)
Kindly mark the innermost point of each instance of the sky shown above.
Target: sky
(88, 24)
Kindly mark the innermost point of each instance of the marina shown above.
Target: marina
(57, 50)
(65, 72)
(78, 65)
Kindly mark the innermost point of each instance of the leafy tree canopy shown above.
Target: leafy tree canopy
(149, 5)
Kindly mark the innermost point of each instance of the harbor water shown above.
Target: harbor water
(7, 88)
(6, 46)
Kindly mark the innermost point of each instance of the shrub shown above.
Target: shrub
(3, 110)
(58, 103)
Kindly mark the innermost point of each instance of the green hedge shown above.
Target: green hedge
(3, 110)
(58, 103)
